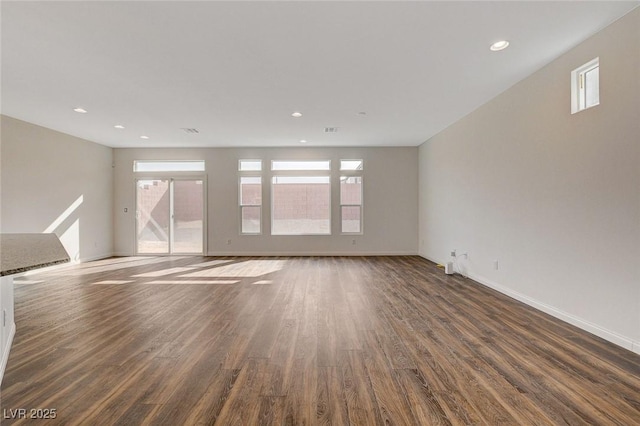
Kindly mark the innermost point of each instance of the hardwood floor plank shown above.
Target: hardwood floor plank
(301, 340)
(362, 406)
(331, 408)
(391, 401)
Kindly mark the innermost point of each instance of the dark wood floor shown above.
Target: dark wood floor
(330, 340)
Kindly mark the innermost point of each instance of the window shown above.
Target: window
(250, 165)
(351, 204)
(585, 86)
(300, 196)
(168, 166)
(250, 204)
(300, 165)
(301, 205)
(351, 196)
(250, 196)
(351, 165)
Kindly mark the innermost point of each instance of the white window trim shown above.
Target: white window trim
(256, 160)
(577, 86)
(312, 171)
(303, 173)
(361, 205)
(250, 173)
(194, 162)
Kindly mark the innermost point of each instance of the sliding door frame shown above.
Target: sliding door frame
(171, 178)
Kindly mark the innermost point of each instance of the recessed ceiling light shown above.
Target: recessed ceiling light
(80, 110)
(144, 137)
(303, 141)
(296, 114)
(362, 113)
(119, 126)
(499, 45)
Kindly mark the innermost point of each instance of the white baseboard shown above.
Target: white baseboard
(5, 351)
(595, 329)
(564, 316)
(305, 253)
(92, 258)
(121, 254)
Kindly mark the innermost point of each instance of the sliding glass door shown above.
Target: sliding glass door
(187, 216)
(170, 216)
(152, 203)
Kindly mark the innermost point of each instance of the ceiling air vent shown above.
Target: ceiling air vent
(331, 130)
(190, 130)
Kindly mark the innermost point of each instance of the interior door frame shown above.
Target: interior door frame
(171, 177)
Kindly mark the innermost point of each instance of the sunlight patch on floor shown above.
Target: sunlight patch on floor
(211, 263)
(207, 282)
(244, 269)
(163, 272)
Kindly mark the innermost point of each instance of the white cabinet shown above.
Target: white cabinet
(6, 320)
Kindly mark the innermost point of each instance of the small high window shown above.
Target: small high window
(168, 166)
(279, 165)
(249, 165)
(351, 165)
(585, 86)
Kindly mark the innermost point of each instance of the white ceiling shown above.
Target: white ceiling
(237, 70)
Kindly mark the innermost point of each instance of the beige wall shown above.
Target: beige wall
(554, 197)
(57, 183)
(390, 200)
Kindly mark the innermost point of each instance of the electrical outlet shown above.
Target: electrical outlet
(353, 242)
(453, 253)
(495, 265)
(228, 242)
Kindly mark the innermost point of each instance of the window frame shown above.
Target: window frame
(197, 170)
(250, 174)
(249, 160)
(304, 173)
(301, 170)
(241, 205)
(350, 173)
(579, 86)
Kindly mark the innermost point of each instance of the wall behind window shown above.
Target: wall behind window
(390, 200)
(554, 197)
(60, 183)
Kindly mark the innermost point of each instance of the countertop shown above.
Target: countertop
(24, 252)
